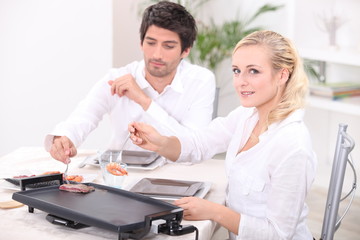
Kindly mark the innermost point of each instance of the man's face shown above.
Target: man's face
(162, 52)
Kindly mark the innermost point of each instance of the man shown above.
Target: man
(163, 90)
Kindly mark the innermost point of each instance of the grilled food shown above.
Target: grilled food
(78, 188)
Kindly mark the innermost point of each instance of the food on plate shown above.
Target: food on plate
(24, 176)
(72, 178)
(50, 172)
(78, 188)
(16, 181)
(116, 169)
(75, 178)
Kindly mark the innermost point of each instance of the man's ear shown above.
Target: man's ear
(186, 52)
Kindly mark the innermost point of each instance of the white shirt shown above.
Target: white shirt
(184, 105)
(268, 183)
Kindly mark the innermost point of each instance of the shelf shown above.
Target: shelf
(343, 56)
(349, 106)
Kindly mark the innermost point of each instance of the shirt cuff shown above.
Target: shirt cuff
(156, 112)
(48, 142)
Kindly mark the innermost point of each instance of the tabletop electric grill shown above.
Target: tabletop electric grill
(129, 214)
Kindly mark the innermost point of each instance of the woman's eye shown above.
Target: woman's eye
(254, 71)
(236, 71)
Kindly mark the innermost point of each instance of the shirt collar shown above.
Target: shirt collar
(295, 116)
(176, 84)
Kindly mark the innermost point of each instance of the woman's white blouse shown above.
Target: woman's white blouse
(268, 183)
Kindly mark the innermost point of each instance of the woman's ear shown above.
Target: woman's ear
(284, 76)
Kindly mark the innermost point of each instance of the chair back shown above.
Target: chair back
(344, 145)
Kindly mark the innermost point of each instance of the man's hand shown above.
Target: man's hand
(127, 86)
(62, 149)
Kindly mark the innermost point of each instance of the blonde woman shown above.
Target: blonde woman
(270, 163)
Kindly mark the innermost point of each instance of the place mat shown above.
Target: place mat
(10, 204)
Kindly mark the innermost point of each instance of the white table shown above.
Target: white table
(18, 223)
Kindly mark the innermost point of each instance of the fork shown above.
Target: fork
(65, 173)
(122, 147)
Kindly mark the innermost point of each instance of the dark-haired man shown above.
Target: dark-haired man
(163, 89)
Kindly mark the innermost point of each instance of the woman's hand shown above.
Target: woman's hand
(200, 209)
(146, 136)
(196, 208)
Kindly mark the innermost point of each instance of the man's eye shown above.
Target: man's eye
(169, 46)
(150, 43)
(236, 71)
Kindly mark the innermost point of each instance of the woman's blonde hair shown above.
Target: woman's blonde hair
(283, 56)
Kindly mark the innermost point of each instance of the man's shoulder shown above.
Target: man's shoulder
(195, 70)
(129, 68)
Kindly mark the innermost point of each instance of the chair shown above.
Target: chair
(331, 221)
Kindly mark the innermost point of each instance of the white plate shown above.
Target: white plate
(7, 185)
(93, 161)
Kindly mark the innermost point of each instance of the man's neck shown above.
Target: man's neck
(157, 83)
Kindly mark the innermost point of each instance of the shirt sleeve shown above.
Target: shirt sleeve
(86, 116)
(205, 143)
(198, 115)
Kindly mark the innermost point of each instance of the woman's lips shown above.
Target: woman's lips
(247, 93)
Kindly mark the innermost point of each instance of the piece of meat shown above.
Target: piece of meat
(79, 188)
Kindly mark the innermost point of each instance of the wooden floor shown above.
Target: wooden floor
(350, 225)
(349, 228)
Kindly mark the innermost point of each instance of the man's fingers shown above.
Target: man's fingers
(57, 151)
(66, 146)
(62, 149)
(73, 151)
(113, 87)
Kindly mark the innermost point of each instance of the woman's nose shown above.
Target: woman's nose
(240, 80)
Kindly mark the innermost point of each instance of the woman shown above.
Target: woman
(270, 163)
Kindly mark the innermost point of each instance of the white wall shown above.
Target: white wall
(127, 20)
(323, 124)
(51, 53)
(309, 25)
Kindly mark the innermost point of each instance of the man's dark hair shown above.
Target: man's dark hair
(173, 17)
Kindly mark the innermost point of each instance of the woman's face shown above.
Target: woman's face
(255, 81)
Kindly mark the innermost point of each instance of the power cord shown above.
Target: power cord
(173, 228)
